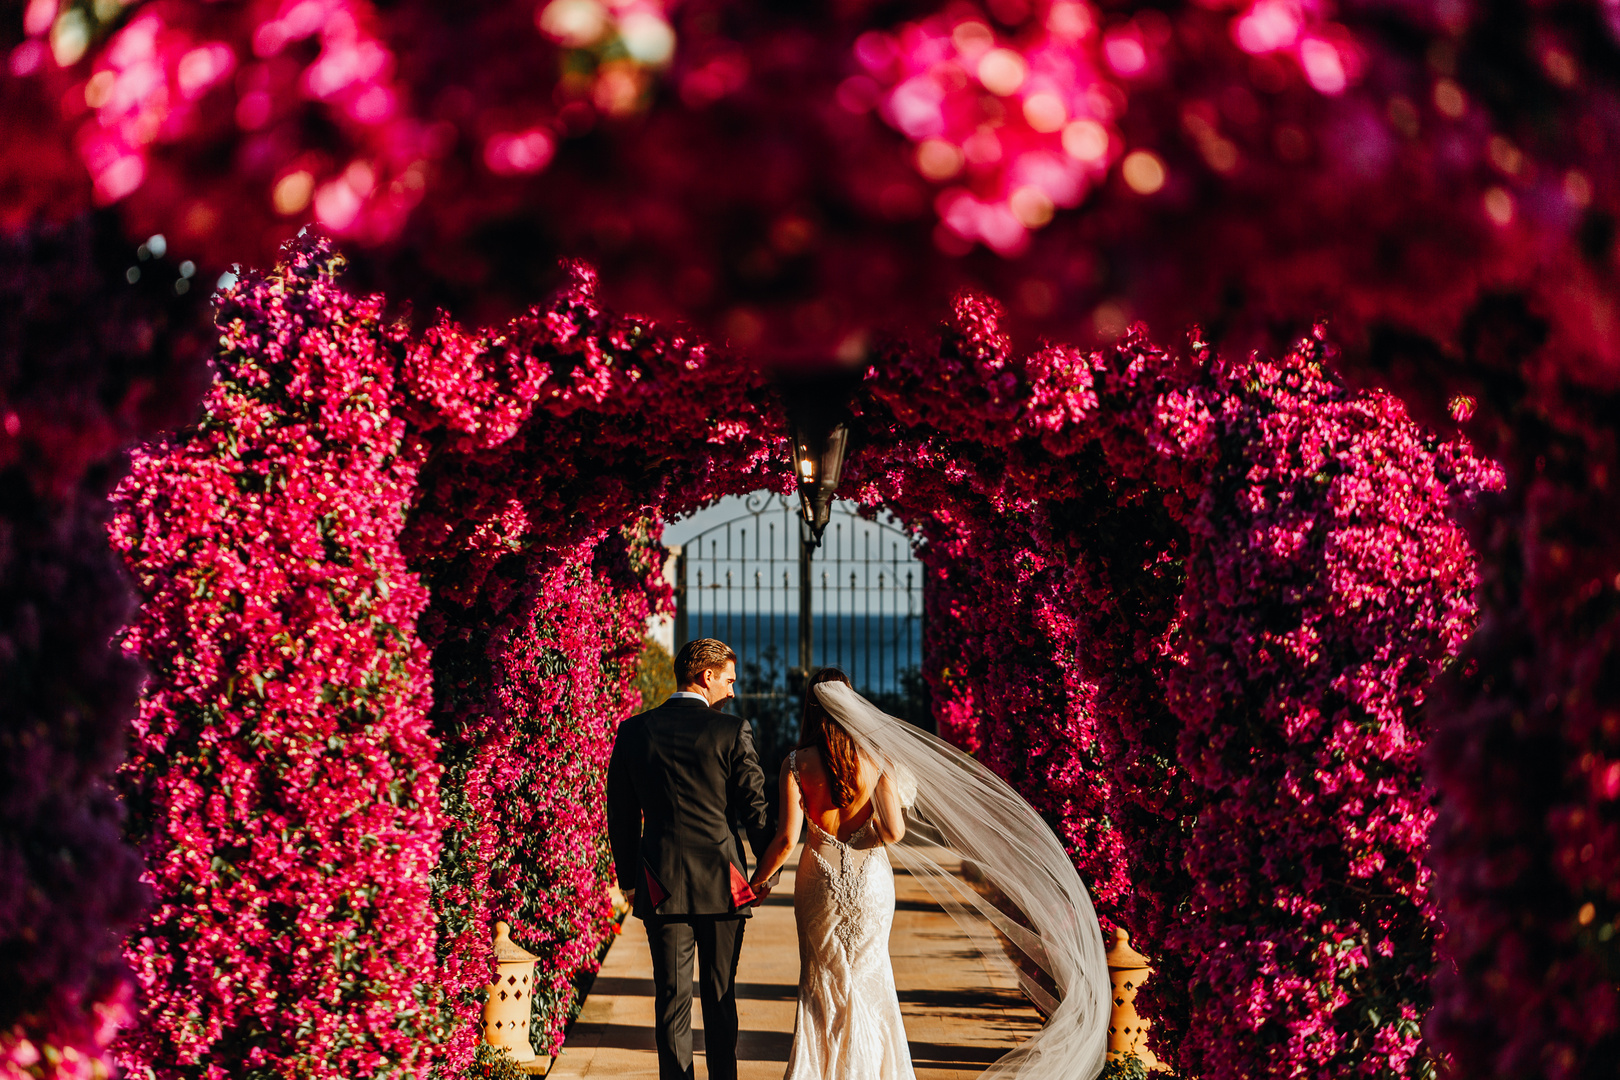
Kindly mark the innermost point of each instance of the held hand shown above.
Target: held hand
(762, 889)
(629, 896)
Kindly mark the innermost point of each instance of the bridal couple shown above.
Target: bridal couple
(684, 788)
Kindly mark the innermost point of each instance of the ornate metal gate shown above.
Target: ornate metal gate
(855, 603)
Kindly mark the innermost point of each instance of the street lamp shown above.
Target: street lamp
(819, 444)
(818, 420)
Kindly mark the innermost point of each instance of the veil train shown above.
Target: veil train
(959, 812)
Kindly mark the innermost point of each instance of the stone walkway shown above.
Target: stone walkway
(960, 1013)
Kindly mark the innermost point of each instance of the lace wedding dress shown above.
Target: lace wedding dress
(957, 813)
(848, 1024)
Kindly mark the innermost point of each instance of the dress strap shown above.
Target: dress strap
(793, 767)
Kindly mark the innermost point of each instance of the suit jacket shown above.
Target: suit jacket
(683, 788)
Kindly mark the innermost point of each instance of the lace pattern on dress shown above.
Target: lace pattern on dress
(847, 884)
(845, 881)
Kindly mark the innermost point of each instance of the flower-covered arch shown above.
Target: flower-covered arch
(394, 586)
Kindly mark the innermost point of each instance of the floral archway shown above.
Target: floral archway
(394, 586)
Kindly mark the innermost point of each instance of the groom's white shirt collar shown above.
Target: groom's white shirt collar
(690, 694)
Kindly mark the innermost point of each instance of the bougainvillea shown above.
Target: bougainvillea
(329, 851)
(282, 784)
(530, 693)
(1240, 579)
(792, 177)
(88, 361)
(1526, 754)
(1233, 583)
(1411, 168)
(999, 683)
(545, 454)
(1327, 588)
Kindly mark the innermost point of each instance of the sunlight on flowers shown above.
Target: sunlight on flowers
(1016, 122)
(1300, 29)
(612, 52)
(1143, 171)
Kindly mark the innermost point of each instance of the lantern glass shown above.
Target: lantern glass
(818, 413)
(819, 457)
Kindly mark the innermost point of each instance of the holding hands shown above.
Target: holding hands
(762, 888)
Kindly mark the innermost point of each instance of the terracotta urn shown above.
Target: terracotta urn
(1127, 1032)
(508, 999)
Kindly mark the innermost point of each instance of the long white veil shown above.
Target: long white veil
(958, 812)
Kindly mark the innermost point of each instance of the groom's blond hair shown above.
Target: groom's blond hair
(696, 657)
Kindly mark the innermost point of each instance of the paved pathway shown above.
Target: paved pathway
(960, 1013)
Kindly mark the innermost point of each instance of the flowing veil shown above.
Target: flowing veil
(956, 809)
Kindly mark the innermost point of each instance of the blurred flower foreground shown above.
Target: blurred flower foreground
(793, 187)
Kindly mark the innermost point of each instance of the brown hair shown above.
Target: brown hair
(696, 657)
(821, 732)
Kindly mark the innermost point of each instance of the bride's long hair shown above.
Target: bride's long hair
(822, 733)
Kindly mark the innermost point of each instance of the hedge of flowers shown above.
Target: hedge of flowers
(283, 782)
(529, 698)
(999, 672)
(1238, 581)
(1526, 752)
(1330, 587)
(379, 716)
(88, 362)
(542, 451)
(1231, 585)
(548, 450)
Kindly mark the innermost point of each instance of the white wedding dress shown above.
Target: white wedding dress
(957, 813)
(848, 1023)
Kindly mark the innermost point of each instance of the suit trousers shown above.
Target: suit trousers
(717, 940)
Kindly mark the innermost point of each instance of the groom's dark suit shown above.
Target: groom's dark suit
(683, 789)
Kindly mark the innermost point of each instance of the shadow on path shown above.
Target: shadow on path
(960, 1014)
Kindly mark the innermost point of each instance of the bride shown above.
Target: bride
(871, 786)
(848, 1022)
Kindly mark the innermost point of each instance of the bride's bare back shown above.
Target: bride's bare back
(832, 819)
(876, 800)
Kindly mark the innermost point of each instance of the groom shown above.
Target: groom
(683, 787)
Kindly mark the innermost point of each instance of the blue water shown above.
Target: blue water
(872, 650)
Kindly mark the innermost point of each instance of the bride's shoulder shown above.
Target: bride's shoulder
(808, 766)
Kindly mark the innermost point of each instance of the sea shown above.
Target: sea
(875, 651)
